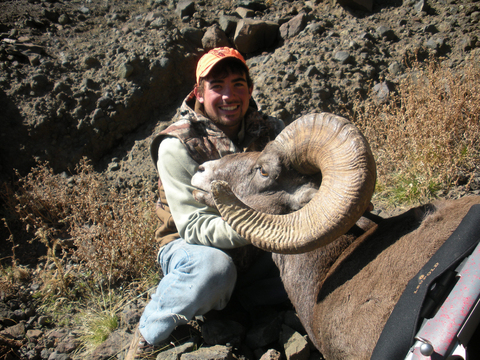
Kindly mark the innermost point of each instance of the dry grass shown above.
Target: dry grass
(109, 233)
(428, 135)
(100, 247)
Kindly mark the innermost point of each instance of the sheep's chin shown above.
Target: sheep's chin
(204, 197)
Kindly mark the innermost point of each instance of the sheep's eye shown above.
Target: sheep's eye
(263, 172)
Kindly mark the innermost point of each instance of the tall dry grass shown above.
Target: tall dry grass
(100, 247)
(428, 134)
(108, 232)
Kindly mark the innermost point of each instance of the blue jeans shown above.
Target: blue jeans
(200, 278)
(196, 279)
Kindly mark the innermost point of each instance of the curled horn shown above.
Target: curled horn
(316, 142)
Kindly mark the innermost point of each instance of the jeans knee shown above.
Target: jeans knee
(217, 276)
(221, 267)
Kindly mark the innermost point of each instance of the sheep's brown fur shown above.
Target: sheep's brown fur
(345, 303)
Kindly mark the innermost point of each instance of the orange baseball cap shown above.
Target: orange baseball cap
(208, 60)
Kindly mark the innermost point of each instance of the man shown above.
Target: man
(201, 255)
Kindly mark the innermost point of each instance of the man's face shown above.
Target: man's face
(225, 100)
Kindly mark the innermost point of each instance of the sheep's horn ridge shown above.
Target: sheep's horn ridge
(317, 142)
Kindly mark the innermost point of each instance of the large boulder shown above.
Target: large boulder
(254, 35)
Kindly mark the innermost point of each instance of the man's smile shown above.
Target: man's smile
(228, 107)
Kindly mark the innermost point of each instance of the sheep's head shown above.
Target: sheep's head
(263, 181)
(317, 143)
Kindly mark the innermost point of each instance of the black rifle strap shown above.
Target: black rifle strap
(398, 334)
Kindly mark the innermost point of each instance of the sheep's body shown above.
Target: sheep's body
(346, 288)
(344, 292)
(344, 307)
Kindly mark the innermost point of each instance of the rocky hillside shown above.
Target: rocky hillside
(97, 78)
(93, 78)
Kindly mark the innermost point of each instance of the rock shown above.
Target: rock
(91, 62)
(68, 344)
(114, 166)
(385, 32)
(315, 28)
(125, 70)
(266, 331)
(58, 356)
(475, 16)
(58, 334)
(39, 82)
(109, 348)
(381, 92)
(97, 114)
(34, 334)
(193, 35)
(177, 352)
(419, 6)
(468, 42)
(293, 27)
(19, 314)
(64, 19)
(431, 29)
(185, 8)
(159, 23)
(254, 35)
(16, 332)
(50, 15)
(244, 12)
(90, 84)
(217, 352)
(256, 5)
(6, 315)
(61, 86)
(214, 37)
(357, 4)
(395, 68)
(103, 102)
(44, 320)
(343, 57)
(312, 71)
(45, 353)
(292, 320)
(84, 10)
(435, 43)
(295, 345)
(228, 23)
(152, 15)
(272, 355)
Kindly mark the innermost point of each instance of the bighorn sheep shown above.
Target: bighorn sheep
(343, 272)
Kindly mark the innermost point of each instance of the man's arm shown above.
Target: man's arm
(196, 223)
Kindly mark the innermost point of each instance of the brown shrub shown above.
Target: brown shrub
(112, 232)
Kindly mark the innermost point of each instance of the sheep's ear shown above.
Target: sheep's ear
(225, 199)
(203, 198)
